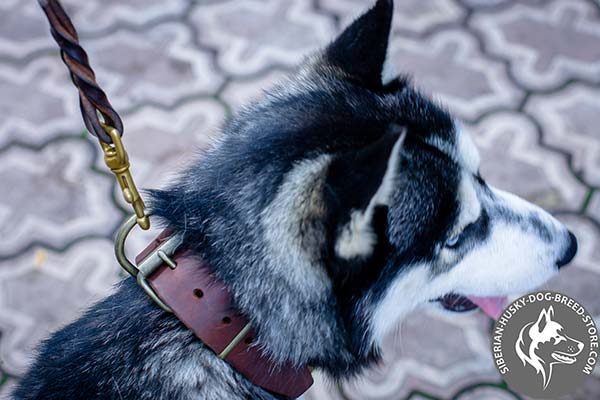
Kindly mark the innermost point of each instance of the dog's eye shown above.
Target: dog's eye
(476, 228)
(454, 241)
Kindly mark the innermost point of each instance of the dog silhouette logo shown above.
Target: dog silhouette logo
(545, 344)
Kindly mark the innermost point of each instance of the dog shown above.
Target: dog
(331, 207)
(543, 344)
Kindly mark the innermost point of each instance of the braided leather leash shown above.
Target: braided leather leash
(99, 116)
(92, 98)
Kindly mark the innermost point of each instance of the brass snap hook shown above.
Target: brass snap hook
(117, 160)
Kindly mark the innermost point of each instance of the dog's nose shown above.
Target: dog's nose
(570, 253)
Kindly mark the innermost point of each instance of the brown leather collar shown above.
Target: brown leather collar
(204, 305)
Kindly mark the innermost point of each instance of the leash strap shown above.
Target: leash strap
(203, 303)
(99, 116)
(92, 99)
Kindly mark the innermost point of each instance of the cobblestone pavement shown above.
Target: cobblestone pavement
(524, 76)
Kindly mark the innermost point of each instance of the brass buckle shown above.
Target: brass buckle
(162, 254)
(117, 160)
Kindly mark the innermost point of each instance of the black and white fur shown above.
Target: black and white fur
(331, 207)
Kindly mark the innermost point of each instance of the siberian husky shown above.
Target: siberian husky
(331, 207)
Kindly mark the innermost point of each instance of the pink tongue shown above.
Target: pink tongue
(492, 306)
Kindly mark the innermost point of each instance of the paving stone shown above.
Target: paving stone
(546, 45)
(435, 352)
(588, 234)
(61, 285)
(570, 119)
(252, 35)
(589, 389)
(238, 93)
(7, 388)
(323, 389)
(169, 138)
(450, 66)
(23, 29)
(420, 332)
(419, 385)
(486, 393)
(581, 280)
(92, 16)
(157, 66)
(59, 198)
(523, 166)
(38, 102)
(479, 5)
(594, 207)
(581, 284)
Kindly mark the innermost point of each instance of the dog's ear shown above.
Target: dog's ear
(360, 51)
(361, 184)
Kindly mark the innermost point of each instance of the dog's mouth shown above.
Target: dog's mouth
(563, 358)
(492, 306)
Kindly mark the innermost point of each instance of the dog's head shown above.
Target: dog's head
(544, 343)
(341, 201)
